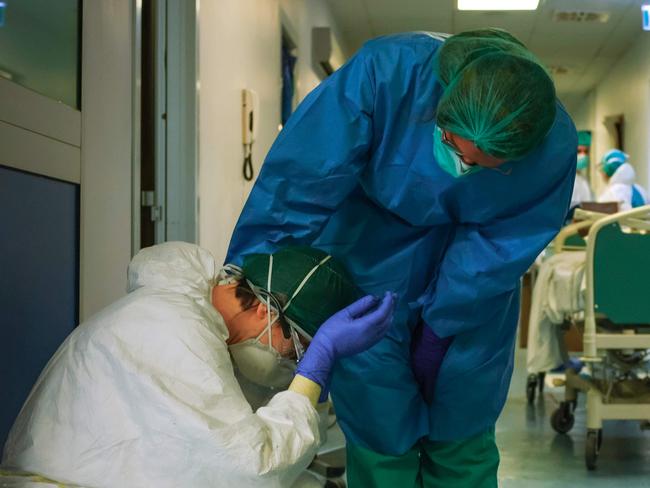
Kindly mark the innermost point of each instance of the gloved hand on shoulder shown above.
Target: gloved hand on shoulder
(350, 331)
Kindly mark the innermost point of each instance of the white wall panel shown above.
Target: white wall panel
(31, 152)
(40, 114)
(106, 141)
(239, 47)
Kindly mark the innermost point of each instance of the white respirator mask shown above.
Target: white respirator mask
(262, 364)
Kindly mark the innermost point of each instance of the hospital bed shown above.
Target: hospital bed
(566, 251)
(561, 269)
(616, 335)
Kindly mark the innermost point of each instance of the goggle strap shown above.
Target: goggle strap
(270, 274)
(268, 298)
(297, 345)
(233, 269)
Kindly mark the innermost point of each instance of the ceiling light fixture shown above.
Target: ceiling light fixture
(498, 4)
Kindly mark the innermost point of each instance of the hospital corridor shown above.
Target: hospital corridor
(324, 243)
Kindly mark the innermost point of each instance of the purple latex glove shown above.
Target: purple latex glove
(427, 353)
(349, 331)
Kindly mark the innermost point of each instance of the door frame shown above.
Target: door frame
(175, 119)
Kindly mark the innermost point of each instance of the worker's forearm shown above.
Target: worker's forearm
(306, 387)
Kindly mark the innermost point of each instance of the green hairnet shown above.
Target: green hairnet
(328, 289)
(496, 93)
(461, 49)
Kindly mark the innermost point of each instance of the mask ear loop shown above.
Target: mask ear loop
(264, 298)
(268, 301)
(269, 317)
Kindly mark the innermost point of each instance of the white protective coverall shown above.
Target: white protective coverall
(619, 188)
(143, 394)
(581, 191)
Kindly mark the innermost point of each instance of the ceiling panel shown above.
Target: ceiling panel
(583, 39)
(380, 10)
(547, 38)
(575, 52)
(415, 24)
(582, 5)
(576, 82)
(624, 33)
(563, 84)
(518, 23)
(352, 21)
(586, 49)
(569, 58)
(598, 69)
(411, 15)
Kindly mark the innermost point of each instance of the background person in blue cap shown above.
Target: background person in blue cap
(437, 168)
(620, 177)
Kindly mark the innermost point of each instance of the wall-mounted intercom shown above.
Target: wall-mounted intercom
(250, 116)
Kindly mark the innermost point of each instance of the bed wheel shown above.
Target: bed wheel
(592, 447)
(562, 419)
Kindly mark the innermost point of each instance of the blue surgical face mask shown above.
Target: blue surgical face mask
(583, 161)
(448, 160)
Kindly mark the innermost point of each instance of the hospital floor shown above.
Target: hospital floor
(534, 456)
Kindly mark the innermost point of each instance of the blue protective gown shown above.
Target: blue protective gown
(353, 173)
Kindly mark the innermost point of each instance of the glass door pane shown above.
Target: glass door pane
(40, 46)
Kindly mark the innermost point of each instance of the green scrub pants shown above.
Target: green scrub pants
(469, 463)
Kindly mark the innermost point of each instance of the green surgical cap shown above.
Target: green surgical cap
(496, 93)
(328, 288)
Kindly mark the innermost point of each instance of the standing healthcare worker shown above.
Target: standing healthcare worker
(620, 177)
(581, 188)
(437, 168)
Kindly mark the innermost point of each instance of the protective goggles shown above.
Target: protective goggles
(450, 144)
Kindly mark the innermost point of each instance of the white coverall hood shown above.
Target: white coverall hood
(143, 394)
(619, 187)
(177, 266)
(625, 174)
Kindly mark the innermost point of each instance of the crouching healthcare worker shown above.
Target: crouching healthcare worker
(437, 167)
(144, 393)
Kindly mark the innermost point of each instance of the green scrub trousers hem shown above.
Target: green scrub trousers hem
(467, 463)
